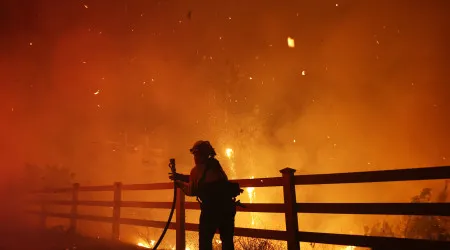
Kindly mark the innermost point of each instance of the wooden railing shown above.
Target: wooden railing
(290, 208)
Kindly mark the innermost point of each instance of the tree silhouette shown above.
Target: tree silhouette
(417, 227)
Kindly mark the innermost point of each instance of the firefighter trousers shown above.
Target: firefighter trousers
(217, 217)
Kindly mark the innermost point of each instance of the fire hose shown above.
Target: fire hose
(173, 169)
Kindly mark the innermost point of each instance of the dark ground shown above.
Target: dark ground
(38, 240)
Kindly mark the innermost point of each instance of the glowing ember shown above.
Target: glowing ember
(291, 42)
(97, 92)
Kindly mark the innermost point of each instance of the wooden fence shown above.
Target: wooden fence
(290, 208)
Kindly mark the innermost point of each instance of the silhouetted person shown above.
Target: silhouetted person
(210, 184)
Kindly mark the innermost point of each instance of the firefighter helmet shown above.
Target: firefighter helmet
(203, 147)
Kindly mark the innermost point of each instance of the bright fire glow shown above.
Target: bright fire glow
(146, 245)
(143, 245)
(291, 42)
(349, 248)
(229, 152)
(250, 193)
(251, 197)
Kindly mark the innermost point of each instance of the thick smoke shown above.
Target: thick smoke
(365, 87)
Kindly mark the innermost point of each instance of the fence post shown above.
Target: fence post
(180, 221)
(116, 210)
(74, 209)
(290, 203)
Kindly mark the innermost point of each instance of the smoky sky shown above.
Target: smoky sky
(365, 87)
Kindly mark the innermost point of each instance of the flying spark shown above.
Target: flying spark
(291, 42)
(303, 72)
(85, 6)
(97, 92)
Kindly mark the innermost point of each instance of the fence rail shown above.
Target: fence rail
(290, 208)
